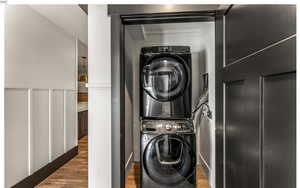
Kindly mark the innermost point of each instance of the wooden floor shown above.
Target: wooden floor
(133, 177)
(74, 174)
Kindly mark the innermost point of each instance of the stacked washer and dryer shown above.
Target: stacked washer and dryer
(168, 156)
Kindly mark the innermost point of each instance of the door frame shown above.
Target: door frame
(118, 23)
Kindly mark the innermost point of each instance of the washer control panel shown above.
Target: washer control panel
(166, 126)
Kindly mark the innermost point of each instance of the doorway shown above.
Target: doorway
(130, 32)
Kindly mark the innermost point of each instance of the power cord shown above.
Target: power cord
(209, 113)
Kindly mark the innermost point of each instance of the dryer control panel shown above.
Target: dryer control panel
(166, 127)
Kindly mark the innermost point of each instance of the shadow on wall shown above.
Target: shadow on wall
(199, 67)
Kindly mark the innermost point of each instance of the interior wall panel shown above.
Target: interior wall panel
(57, 123)
(71, 121)
(16, 135)
(39, 129)
(279, 131)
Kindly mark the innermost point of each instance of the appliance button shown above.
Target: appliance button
(168, 127)
(179, 127)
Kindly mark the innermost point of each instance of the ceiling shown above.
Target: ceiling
(71, 18)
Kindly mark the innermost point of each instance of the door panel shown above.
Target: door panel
(241, 137)
(258, 26)
(279, 127)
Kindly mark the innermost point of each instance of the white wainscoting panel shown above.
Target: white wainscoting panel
(57, 123)
(71, 121)
(16, 135)
(39, 128)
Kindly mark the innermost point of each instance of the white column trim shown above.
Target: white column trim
(65, 121)
(76, 88)
(76, 63)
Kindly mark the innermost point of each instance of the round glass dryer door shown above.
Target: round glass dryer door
(170, 157)
(165, 78)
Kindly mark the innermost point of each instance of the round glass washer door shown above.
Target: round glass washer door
(169, 160)
(165, 77)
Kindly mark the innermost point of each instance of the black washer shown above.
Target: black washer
(168, 156)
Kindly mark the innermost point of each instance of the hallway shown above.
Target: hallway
(72, 174)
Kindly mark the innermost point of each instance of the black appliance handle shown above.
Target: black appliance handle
(168, 162)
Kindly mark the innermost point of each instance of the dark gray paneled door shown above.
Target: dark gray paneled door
(258, 76)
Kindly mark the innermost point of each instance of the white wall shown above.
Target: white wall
(35, 48)
(99, 91)
(70, 18)
(40, 92)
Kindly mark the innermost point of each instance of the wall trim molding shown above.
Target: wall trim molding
(47, 170)
(65, 120)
